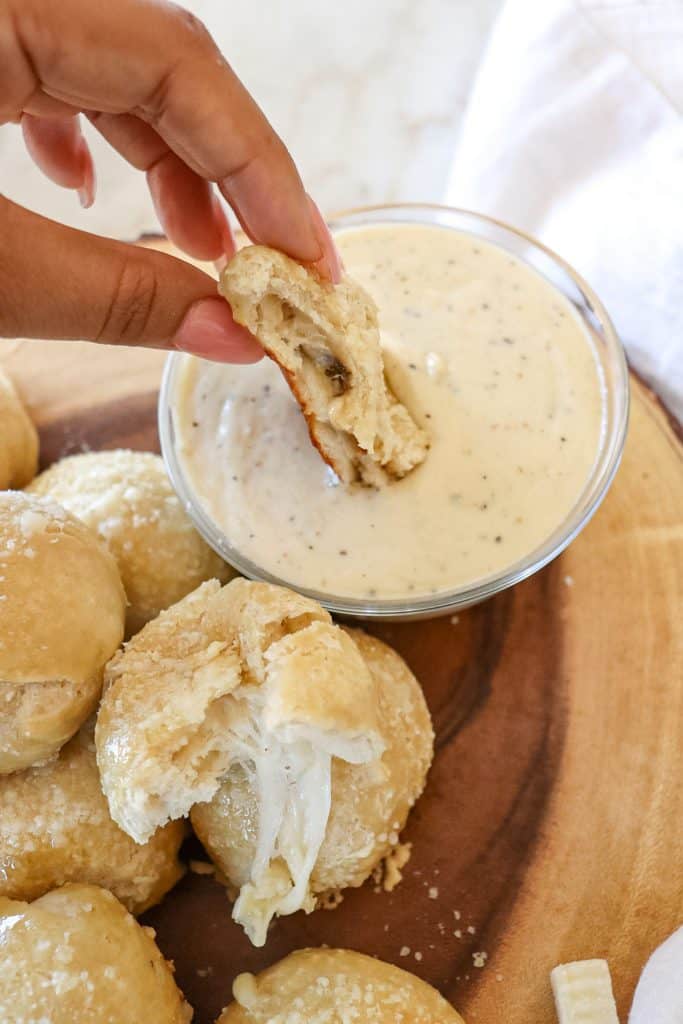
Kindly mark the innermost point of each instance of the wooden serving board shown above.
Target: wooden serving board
(551, 827)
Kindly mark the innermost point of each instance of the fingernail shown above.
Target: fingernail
(330, 265)
(223, 224)
(208, 330)
(86, 193)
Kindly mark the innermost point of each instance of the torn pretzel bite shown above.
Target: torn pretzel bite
(326, 341)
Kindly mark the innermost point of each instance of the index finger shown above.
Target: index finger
(157, 61)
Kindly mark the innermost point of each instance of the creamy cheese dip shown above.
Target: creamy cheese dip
(490, 359)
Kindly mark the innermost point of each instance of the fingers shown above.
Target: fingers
(59, 283)
(330, 264)
(41, 105)
(60, 151)
(157, 61)
(186, 224)
(189, 213)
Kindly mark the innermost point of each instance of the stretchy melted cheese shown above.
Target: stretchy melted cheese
(489, 358)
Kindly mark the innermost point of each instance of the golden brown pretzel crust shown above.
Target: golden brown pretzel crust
(370, 802)
(61, 618)
(18, 438)
(76, 956)
(248, 705)
(127, 499)
(161, 728)
(326, 341)
(55, 827)
(333, 986)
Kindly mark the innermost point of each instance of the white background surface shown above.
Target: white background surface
(584, 149)
(368, 94)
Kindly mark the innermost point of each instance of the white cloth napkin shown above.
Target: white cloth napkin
(574, 133)
(659, 995)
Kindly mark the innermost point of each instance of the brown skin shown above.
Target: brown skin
(150, 78)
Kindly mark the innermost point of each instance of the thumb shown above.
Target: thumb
(56, 282)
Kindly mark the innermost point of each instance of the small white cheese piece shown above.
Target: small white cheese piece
(583, 993)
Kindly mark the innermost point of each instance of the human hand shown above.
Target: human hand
(151, 80)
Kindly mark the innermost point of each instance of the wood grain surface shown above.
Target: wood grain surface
(550, 829)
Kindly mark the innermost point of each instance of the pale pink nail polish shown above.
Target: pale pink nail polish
(330, 263)
(223, 224)
(86, 193)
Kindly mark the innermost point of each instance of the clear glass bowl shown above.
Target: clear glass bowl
(616, 403)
